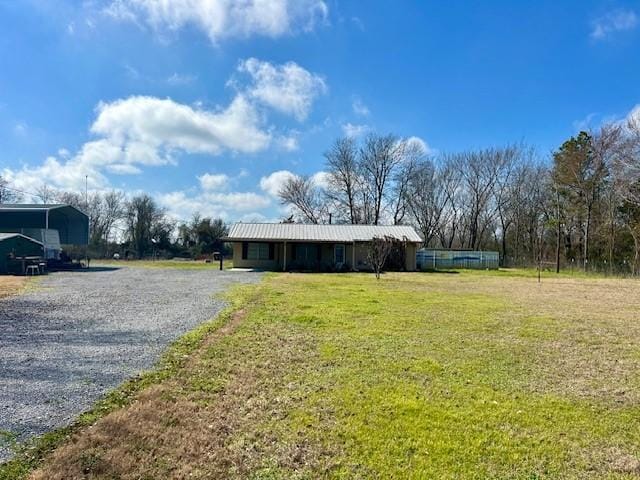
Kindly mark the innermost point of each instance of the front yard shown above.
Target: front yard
(460, 375)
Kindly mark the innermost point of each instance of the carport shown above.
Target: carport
(52, 225)
(17, 251)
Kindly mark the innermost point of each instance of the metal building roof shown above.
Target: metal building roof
(71, 223)
(319, 233)
(6, 236)
(34, 207)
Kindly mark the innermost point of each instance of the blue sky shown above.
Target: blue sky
(209, 105)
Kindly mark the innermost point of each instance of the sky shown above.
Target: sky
(210, 105)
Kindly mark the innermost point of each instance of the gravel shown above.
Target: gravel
(80, 334)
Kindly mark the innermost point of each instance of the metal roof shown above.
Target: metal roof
(71, 223)
(34, 207)
(6, 236)
(319, 233)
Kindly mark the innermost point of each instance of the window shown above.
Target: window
(258, 251)
(339, 253)
(306, 253)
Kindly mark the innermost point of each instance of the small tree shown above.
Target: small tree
(8, 194)
(379, 249)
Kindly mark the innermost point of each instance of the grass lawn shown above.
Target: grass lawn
(461, 375)
(10, 285)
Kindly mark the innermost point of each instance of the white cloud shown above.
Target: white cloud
(65, 175)
(141, 131)
(220, 19)
(288, 144)
(359, 108)
(585, 123)
(178, 79)
(421, 144)
(123, 169)
(615, 21)
(351, 130)
(147, 131)
(273, 183)
(228, 206)
(321, 179)
(154, 126)
(288, 88)
(209, 181)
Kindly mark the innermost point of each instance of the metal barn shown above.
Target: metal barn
(436, 259)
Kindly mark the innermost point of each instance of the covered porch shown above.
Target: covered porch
(310, 256)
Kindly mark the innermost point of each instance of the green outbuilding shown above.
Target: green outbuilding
(18, 251)
(53, 225)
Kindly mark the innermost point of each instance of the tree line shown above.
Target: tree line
(578, 208)
(134, 227)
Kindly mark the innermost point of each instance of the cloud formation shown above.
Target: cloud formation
(141, 131)
(210, 181)
(615, 21)
(419, 143)
(220, 19)
(353, 130)
(228, 206)
(287, 88)
(359, 108)
(273, 183)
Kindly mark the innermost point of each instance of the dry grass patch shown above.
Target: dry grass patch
(10, 285)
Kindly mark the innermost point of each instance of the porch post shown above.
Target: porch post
(284, 257)
(46, 232)
(353, 256)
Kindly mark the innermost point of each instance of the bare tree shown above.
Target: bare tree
(8, 194)
(480, 173)
(451, 181)
(380, 156)
(45, 193)
(378, 252)
(305, 196)
(345, 182)
(427, 198)
(411, 154)
(626, 174)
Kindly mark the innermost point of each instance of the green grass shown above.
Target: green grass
(468, 375)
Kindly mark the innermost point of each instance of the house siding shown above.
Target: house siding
(326, 260)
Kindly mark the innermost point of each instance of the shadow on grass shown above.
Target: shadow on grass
(431, 270)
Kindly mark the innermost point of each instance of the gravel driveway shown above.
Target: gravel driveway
(81, 334)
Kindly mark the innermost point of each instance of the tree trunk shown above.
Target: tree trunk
(585, 254)
(558, 230)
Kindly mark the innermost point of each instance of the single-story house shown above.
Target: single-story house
(295, 246)
(17, 252)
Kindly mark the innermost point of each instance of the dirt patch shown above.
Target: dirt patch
(10, 285)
